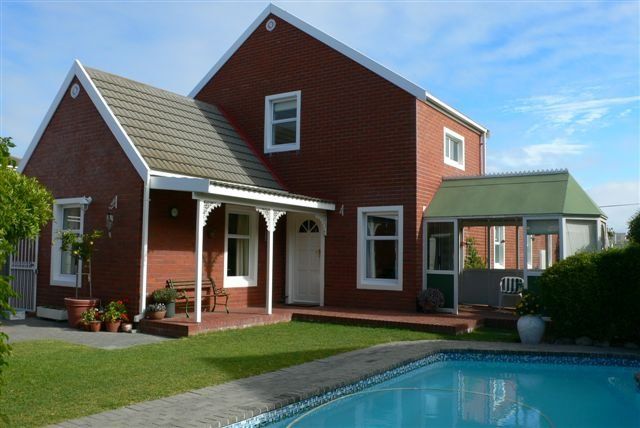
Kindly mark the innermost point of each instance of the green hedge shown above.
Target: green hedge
(595, 295)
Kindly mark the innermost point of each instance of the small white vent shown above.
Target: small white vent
(270, 25)
(75, 90)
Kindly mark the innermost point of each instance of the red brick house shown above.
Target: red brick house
(297, 171)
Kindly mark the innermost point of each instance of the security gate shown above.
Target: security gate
(23, 268)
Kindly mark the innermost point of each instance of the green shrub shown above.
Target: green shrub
(634, 228)
(595, 294)
(165, 295)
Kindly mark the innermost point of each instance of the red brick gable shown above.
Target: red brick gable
(78, 156)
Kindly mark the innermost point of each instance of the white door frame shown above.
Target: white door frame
(293, 221)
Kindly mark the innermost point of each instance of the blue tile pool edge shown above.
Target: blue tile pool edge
(290, 410)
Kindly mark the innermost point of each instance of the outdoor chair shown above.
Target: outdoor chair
(510, 286)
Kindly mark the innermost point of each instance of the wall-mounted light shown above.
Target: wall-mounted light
(112, 206)
(173, 212)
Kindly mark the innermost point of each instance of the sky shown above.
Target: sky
(557, 83)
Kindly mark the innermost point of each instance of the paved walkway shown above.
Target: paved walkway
(39, 329)
(241, 399)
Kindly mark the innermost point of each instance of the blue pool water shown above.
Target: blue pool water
(477, 390)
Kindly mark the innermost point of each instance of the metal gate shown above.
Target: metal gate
(23, 268)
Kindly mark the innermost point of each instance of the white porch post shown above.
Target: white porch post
(271, 217)
(203, 208)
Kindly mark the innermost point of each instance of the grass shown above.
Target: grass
(50, 381)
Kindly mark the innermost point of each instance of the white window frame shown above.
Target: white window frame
(529, 250)
(447, 160)
(251, 279)
(269, 101)
(375, 283)
(57, 278)
(499, 264)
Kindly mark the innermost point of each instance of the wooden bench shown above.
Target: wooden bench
(209, 291)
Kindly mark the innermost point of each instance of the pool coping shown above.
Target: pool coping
(242, 399)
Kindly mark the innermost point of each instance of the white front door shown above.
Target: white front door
(307, 263)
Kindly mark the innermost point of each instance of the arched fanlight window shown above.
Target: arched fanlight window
(308, 226)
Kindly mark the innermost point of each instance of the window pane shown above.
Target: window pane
(542, 227)
(447, 148)
(284, 133)
(67, 266)
(71, 218)
(238, 257)
(381, 226)
(284, 109)
(581, 236)
(440, 246)
(544, 251)
(238, 224)
(382, 259)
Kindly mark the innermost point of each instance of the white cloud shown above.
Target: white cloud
(616, 193)
(543, 155)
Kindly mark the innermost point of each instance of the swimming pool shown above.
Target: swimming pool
(473, 389)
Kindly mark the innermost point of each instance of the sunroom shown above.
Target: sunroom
(521, 223)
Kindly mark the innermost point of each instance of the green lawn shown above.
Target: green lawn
(50, 381)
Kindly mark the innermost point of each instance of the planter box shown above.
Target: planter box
(19, 315)
(52, 313)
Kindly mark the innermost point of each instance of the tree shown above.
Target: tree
(25, 206)
(634, 228)
(473, 260)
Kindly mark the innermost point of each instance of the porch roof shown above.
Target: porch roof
(179, 135)
(512, 195)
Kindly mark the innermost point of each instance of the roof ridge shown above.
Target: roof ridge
(510, 174)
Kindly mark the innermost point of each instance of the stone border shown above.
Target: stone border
(246, 398)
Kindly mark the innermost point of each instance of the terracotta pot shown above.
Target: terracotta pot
(75, 308)
(94, 326)
(112, 326)
(157, 315)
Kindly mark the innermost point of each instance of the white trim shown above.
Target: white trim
(182, 184)
(456, 259)
(218, 190)
(377, 68)
(455, 136)
(59, 205)
(380, 284)
(252, 279)
(269, 101)
(497, 264)
(144, 245)
(77, 70)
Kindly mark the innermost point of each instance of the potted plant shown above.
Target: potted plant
(81, 248)
(156, 311)
(167, 296)
(126, 326)
(91, 319)
(530, 323)
(113, 315)
(430, 300)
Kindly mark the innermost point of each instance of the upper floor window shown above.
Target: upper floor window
(453, 149)
(499, 247)
(68, 216)
(282, 122)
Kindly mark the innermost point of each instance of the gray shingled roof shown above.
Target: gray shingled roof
(180, 135)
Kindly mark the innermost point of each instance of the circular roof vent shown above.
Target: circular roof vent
(270, 25)
(75, 90)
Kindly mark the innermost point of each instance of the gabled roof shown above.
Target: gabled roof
(180, 135)
(395, 78)
(512, 195)
(162, 132)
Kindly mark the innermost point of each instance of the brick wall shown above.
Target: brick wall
(172, 248)
(357, 143)
(79, 156)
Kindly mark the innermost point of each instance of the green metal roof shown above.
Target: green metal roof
(510, 195)
(180, 135)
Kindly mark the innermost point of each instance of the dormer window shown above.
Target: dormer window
(453, 149)
(282, 122)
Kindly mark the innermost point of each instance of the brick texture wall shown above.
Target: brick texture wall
(357, 143)
(79, 156)
(358, 146)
